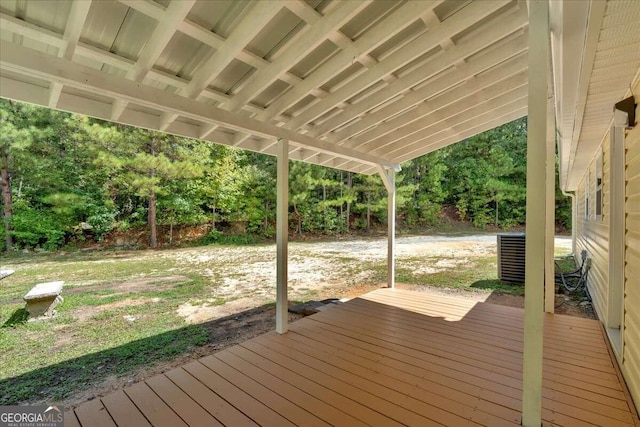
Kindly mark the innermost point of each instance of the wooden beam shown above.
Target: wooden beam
(462, 98)
(463, 132)
(436, 115)
(252, 23)
(384, 30)
(75, 22)
(23, 60)
(309, 40)
(534, 269)
(424, 43)
(449, 125)
(282, 237)
(436, 90)
(160, 37)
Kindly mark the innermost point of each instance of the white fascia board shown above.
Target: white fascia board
(586, 43)
(22, 60)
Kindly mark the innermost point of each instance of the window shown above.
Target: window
(587, 190)
(598, 184)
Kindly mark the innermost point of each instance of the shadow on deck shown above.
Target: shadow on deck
(390, 357)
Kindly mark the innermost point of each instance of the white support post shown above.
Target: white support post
(535, 247)
(550, 212)
(389, 178)
(282, 237)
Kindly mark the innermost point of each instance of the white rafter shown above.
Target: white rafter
(19, 59)
(75, 22)
(312, 37)
(160, 37)
(439, 123)
(424, 43)
(384, 30)
(452, 126)
(515, 21)
(260, 13)
(493, 83)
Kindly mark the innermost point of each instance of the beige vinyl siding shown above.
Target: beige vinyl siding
(592, 234)
(631, 334)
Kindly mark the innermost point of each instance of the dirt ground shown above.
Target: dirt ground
(245, 276)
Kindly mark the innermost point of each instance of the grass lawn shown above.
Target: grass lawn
(122, 310)
(90, 339)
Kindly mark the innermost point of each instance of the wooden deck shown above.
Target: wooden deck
(388, 358)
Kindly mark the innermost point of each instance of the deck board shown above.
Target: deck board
(390, 357)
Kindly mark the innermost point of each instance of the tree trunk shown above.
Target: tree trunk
(496, 211)
(324, 208)
(6, 201)
(299, 217)
(349, 186)
(151, 220)
(153, 233)
(369, 212)
(171, 231)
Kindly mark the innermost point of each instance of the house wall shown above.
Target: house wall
(592, 234)
(631, 333)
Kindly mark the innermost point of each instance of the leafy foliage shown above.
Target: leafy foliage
(72, 177)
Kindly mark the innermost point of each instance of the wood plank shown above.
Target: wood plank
(445, 397)
(347, 385)
(252, 408)
(70, 419)
(214, 404)
(388, 358)
(94, 414)
(284, 407)
(363, 414)
(487, 336)
(187, 409)
(154, 409)
(123, 411)
(329, 413)
(579, 364)
(471, 363)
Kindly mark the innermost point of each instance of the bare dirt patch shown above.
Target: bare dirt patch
(82, 314)
(140, 284)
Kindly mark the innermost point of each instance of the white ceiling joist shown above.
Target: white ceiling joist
(259, 15)
(85, 50)
(459, 133)
(442, 83)
(441, 126)
(387, 28)
(450, 126)
(160, 37)
(429, 119)
(75, 22)
(424, 43)
(456, 53)
(490, 85)
(312, 38)
(29, 62)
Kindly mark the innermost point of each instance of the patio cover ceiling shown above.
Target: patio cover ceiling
(351, 85)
